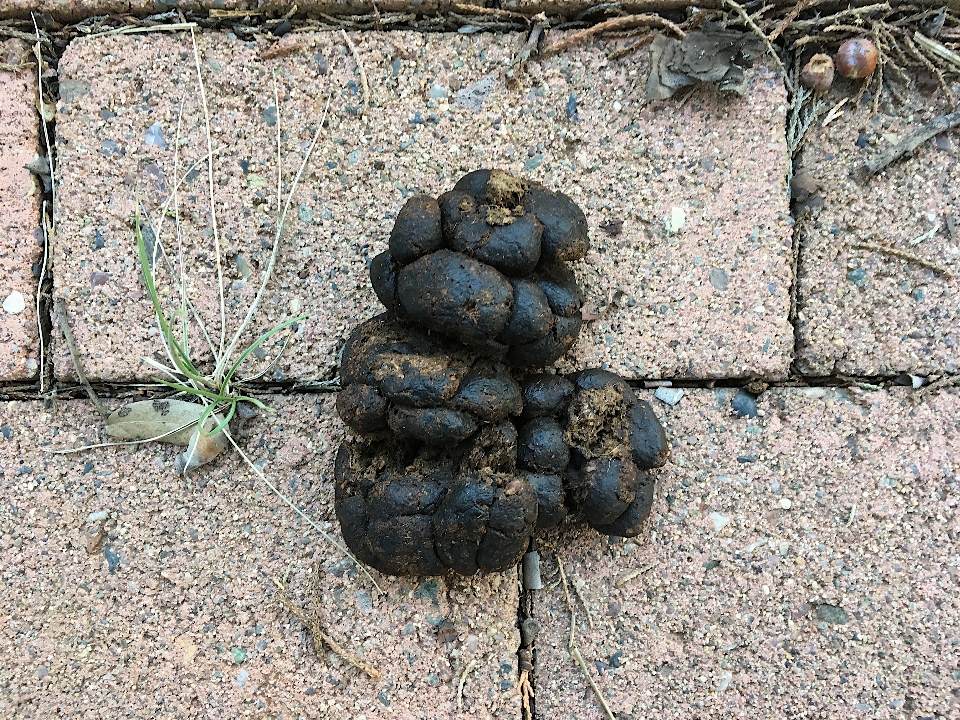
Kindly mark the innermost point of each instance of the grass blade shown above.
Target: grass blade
(259, 341)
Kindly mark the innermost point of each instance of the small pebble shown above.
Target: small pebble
(14, 304)
(719, 521)
(671, 396)
(744, 404)
(785, 503)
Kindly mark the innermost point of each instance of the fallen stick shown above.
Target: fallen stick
(905, 255)
(321, 638)
(907, 146)
(619, 23)
(75, 357)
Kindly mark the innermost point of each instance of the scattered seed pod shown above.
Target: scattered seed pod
(817, 74)
(857, 58)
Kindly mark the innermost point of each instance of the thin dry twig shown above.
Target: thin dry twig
(907, 146)
(572, 645)
(319, 635)
(360, 69)
(791, 16)
(498, 12)
(906, 255)
(937, 49)
(766, 41)
(463, 681)
(577, 589)
(75, 356)
(619, 23)
(136, 29)
(292, 505)
(213, 204)
(575, 654)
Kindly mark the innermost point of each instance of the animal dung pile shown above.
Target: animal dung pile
(463, 448)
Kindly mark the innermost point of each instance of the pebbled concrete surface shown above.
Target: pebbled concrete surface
(173, 613)
(710, 300)
(799, 563)
(21, 240)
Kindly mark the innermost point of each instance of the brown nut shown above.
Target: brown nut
(857, 58)
(817, 74)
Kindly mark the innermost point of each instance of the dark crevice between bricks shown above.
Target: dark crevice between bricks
(526, 652)
(133, 390)
(43, 270)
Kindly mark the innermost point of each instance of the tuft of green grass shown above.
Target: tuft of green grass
(219, 394)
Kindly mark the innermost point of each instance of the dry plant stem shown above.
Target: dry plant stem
(306, 518)
(213, 204)
(136, 29)
(938, 49)
(619, 23)
(583, 601)
(834, 112)
(463, 681)
(96, 446)
(791, 16)
(475, 10)
(907, 146)
(320, 637)
(363, 73)
(857, 12)
(631, 575)
(572, 646)
(563, 579)
(49, 228)
(766, 41)
(526, 694)
(255, 305)
(931, 66)
(38, 300)
(575, 654)
(906, 255)
(75, 356)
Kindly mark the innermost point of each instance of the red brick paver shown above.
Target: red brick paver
(709, 300)
(21, 242)
(174, 613)
(861, 311)
(800, 563)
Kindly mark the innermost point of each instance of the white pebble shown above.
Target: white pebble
(785, 503)
(676, 220)
(14, 304)
(719, 521)
(671, 396)
(725, 679)
(97, 516)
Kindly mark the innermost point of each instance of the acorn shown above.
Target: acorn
(817, 74)
(857, 58)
